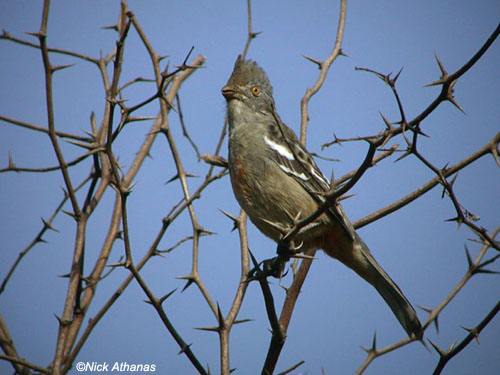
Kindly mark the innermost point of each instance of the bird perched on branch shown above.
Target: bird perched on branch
(277, 182)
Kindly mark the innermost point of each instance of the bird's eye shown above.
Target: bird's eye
(256, 90)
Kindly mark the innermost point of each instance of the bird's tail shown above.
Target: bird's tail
(356, 255)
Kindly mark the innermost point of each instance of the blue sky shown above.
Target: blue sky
(337, 311)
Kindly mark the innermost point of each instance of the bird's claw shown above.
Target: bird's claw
(270, 267)
(287, 250)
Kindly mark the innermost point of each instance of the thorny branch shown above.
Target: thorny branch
(105, 170)
(279, 335)
(475, 267)
(380, 140)
(225, 324)
(463, 215)
(390, 132)
(47, 225)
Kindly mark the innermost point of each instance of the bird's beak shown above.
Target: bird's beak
(228, 92)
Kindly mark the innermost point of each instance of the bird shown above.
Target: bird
(277, 182)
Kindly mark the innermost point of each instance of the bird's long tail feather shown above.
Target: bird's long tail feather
(356, 255)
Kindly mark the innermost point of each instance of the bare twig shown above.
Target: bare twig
(25, 364)
(14, 168)
(324, 67)
(485, 150)
(7, 36)
(473, 334)
(183, 125)
(45, 130)
(47, 225)
(433, 314)
(278, 339)
(251, 34)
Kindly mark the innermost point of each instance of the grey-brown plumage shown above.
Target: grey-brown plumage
(276, 181)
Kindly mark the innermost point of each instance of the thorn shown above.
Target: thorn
(255, 273)
(435, 83)
(40, 240)
(393, 81)
(445, 167)
(91, 135)
(190, 280)
(451, 98)
(491, 272)
(373, 348)
(164, 73)
(444, 74)
(209, 329)
(58, 318)
(405, 154)
(441, 66)
(32, 33)
(62, 322)
(220, 317)
(113, 265)
(494, 152)
(61, 67)
(332, 182)
(255, 34)
(47, 225)
(387, 123)
(11, 162)
(205, 232)
(128, 190)
(158, 253)
(425, 345)
(435, 320)
(277, 226)
(450, 348)
(66, 195)
(69, 214)
(84, 145)
(469, 259)
(187, 56)
(164, 298)
(254, 261)
(342, 53)
(473, 332)
(452, 182)
(110, 27)
(379, 75)
(184, 348)
(239, 321)
(177, 176)
(188, 284)
(458, 219)
(235, 220)
(419, 131)
(436, 348)
(317, 62)
(346, 196)
(485, 263)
